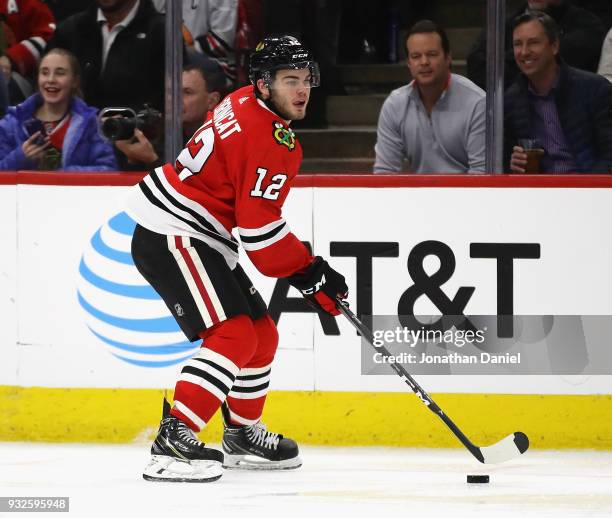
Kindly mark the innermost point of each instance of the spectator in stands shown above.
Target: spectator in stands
(54, 128)
(581, 37)
(210, 28)
(120, 47)
(605, 61)
(437, 122)
(569, 111)
(202, 91)
(27, 26)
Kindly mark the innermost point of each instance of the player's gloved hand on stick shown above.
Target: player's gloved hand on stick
(320, 284)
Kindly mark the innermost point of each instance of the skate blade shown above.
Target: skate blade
(169, 469)
(252, 462)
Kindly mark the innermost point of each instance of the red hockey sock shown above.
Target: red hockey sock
(248, 395)
(206, 379)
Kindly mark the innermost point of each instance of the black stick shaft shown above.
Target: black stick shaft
(410, 381)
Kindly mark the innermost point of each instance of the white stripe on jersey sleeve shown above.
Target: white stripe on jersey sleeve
(32, 49)
(251, 247)
(41, 41)
(254, 232)
(255, 238)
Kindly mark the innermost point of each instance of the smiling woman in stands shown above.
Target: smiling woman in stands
(53, 128)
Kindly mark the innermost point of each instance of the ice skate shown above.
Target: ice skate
(254, 447)
(178, 456)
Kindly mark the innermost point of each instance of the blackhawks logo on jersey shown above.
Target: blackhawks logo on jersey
(283, 136)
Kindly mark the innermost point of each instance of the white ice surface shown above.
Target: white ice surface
(106, 481)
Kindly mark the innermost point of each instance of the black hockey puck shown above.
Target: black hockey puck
(478, 479)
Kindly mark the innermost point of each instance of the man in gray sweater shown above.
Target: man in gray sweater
(437, 122)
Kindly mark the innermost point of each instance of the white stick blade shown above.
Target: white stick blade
(507, 449)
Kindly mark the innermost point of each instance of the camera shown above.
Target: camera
(120, 123)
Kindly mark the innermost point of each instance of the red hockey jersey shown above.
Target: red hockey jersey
(28, 25)
(235, 172)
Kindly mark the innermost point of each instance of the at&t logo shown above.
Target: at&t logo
(120, 307)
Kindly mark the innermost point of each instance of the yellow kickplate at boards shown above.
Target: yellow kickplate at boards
(323, 418)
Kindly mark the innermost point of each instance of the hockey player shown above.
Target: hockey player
(235, 172)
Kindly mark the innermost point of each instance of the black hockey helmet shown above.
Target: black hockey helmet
(278, 53)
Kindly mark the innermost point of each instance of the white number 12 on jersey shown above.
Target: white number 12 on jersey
(194, 164)
(273, 190)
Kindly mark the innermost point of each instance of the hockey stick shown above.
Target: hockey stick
(508, 448)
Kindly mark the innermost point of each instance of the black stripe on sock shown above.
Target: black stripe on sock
(216, 366)
(253, 376)
(188, 369)
(247, 390)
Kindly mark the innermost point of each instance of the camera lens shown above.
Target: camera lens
(118, 128)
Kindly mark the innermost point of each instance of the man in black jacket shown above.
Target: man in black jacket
(120, 47)
(581, 38)
(568, 111)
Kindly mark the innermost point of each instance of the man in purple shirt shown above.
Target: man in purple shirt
(548, 131)
(568, 111)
